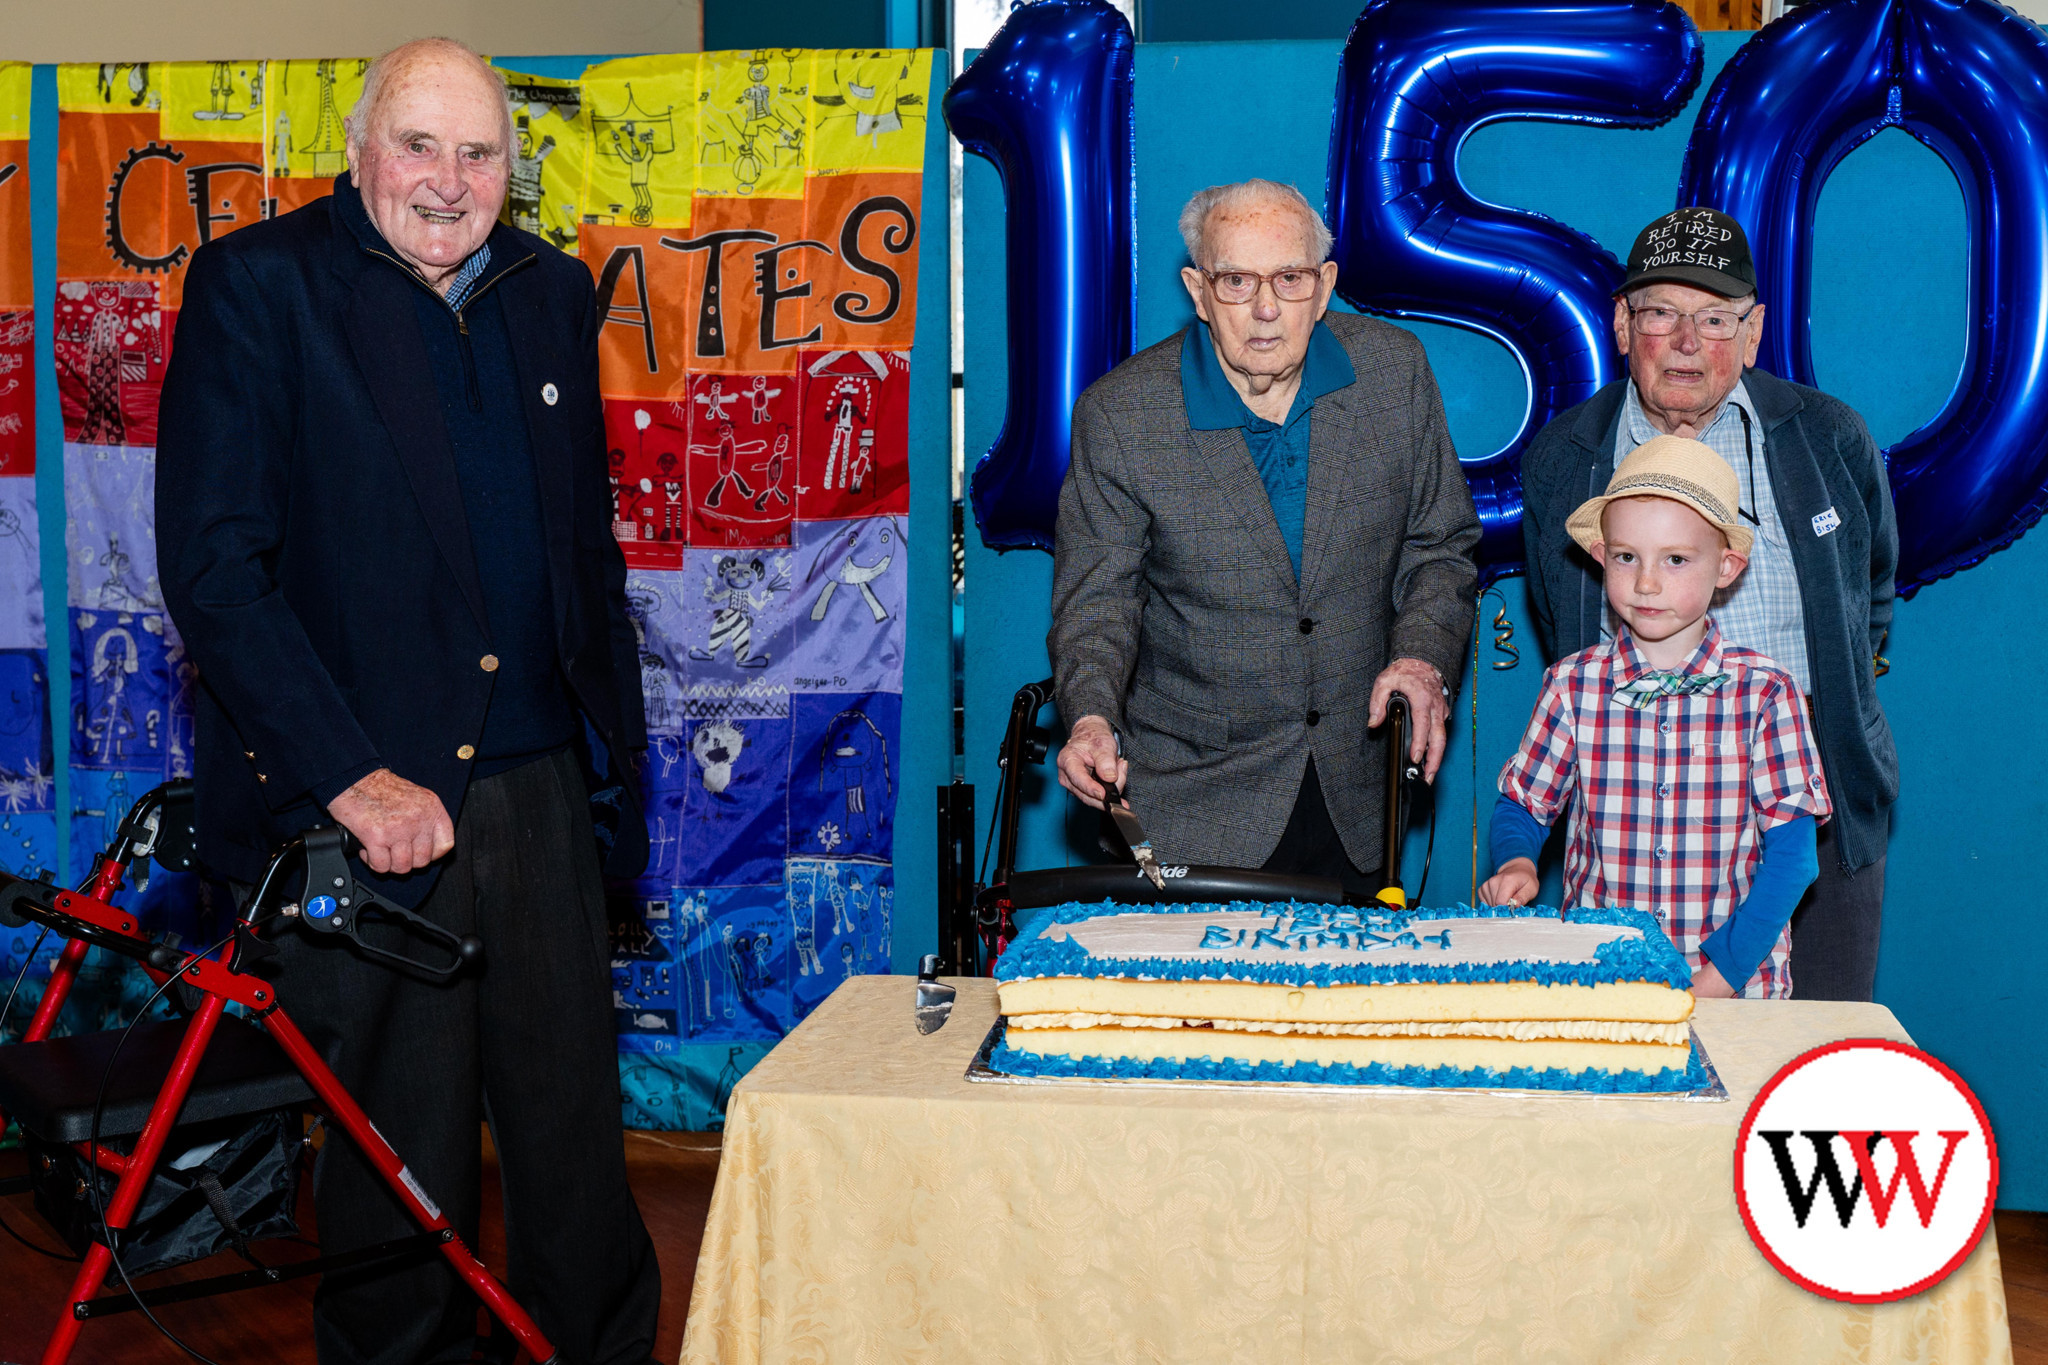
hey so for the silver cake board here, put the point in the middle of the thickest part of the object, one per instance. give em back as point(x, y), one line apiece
point(1713, 1092)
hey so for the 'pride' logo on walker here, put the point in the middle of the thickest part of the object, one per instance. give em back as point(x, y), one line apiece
point(1866, 1171)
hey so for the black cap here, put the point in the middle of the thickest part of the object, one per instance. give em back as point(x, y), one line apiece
point(1704, 248)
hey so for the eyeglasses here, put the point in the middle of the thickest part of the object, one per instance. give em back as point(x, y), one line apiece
point(1242, 286)
point(1712, 324)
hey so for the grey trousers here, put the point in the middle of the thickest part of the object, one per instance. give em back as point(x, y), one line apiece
point(527, 1044)
point(1835, 929)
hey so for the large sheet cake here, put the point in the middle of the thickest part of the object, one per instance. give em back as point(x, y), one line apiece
point(1521, 998)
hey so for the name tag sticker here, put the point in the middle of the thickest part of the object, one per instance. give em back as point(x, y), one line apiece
point(1826, 522)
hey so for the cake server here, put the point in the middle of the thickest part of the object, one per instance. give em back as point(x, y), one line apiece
point(934, 998)
point(1128, 825)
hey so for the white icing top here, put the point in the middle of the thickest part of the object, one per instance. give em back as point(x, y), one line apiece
point(1338, 938)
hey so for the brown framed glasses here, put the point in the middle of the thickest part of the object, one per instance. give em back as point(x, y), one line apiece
point(1291, 285)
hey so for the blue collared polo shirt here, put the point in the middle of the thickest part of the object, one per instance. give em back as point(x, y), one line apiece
point(1279, 449)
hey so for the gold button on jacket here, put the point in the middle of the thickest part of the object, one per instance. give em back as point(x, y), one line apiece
point(489, 663)
point(466, 752)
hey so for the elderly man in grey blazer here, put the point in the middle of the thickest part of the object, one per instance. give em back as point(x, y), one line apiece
point(1264, 533)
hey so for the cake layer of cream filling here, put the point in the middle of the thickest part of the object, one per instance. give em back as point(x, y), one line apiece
point(1290, 1049)
point(1446, 1002)
point(1584, 1030)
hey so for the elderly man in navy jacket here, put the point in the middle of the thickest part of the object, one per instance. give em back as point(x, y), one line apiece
point(1817, 596)
point(384, 533)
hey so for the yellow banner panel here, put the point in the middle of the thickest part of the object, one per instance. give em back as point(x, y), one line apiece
point(642, 117)
point(213, 101)
point(870, 109)
point(304, 103)
point(551, 163)
point(110, 87)
point(753, 125)
point(14, 99)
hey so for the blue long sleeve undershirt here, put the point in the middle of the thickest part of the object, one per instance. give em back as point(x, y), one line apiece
point(1788, 865)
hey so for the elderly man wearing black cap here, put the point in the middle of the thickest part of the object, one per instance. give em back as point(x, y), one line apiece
point(1817, 596)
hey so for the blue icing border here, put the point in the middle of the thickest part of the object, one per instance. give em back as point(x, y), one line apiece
point(1011, 1062)
point(1649, 957)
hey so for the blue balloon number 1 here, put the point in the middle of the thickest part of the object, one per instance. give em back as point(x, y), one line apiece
point(1049, 102)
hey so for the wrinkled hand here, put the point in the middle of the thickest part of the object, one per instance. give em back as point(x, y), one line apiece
point(1709, 984)
point(1089, 756)
point(400, 824)
point(1427, 708)
point(1513, 883)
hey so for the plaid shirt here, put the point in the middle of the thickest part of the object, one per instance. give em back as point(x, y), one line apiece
point(1671, 800)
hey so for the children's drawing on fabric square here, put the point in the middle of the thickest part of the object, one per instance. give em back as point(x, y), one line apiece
point(734, 945)
point(213, 101)
point(869, 109)
point(728, 614)
point(17, 393)
point(21, 567)
point(110, 502)
point(645, 974)
point(28, 848)
point(753, 126)
point(27, 765)
point(855, 441)
point(743, 458)
point(647, 443)
point(849, 590)
point(112, 343)
point(100, 800)
point(545, 183)
point(689, 1091)
point(840, 913)
point(733, 815)
point(642, 116)
point(120, 691)
point(844, 774)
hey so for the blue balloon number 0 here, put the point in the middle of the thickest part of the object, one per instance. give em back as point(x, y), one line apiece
point(1970, 81)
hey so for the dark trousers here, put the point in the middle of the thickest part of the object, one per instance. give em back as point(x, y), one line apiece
point(1835, 928)
point(1309, 846)
point(526, 1044)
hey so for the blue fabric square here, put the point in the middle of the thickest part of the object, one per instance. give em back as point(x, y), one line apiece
point(845, 775)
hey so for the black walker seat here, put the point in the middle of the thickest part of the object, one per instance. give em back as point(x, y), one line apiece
point(50, 1087)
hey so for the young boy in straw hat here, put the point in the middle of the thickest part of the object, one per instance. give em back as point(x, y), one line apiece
point(1693, 781)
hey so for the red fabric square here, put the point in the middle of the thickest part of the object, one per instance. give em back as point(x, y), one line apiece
point(856, 435)
point(743, 458)
point(112, 343)
point(647, 444)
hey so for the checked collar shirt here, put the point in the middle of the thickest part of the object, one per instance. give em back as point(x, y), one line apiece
point(1669, 803)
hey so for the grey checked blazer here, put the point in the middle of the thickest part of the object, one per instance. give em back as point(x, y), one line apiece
point(1177, 617)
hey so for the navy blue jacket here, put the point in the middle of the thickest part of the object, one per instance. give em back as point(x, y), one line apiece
point(1821, 457)
point(313, 546)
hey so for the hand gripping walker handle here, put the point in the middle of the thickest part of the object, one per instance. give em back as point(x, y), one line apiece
point(335, 903)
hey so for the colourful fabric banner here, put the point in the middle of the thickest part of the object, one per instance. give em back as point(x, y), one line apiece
point(752, 224)
point(28, 816)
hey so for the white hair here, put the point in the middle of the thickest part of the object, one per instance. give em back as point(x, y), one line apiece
point(1634, 298)
point(380, 71)
point(1194, 219)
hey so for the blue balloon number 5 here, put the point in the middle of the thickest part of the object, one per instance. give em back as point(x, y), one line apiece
point(1416, 78)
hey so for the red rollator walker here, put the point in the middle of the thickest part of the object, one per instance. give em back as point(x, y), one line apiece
point(111, 1102)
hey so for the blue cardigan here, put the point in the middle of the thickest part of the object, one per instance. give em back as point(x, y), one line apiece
point(1821, 457)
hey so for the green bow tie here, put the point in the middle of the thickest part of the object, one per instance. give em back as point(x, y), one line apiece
point(1650, 687)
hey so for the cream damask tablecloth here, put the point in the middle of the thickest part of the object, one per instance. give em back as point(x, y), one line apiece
point(873, 1206)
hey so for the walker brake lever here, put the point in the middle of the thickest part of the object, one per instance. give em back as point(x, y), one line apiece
point(335, 903)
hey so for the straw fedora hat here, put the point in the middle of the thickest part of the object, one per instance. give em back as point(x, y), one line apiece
point(1675, 468)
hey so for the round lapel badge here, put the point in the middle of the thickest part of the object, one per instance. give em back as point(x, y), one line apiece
point(549, 393)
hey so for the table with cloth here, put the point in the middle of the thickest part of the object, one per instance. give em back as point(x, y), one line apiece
point(873, 1205)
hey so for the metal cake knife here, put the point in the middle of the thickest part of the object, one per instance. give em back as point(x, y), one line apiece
point(1128, 825)
point(934, 998)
